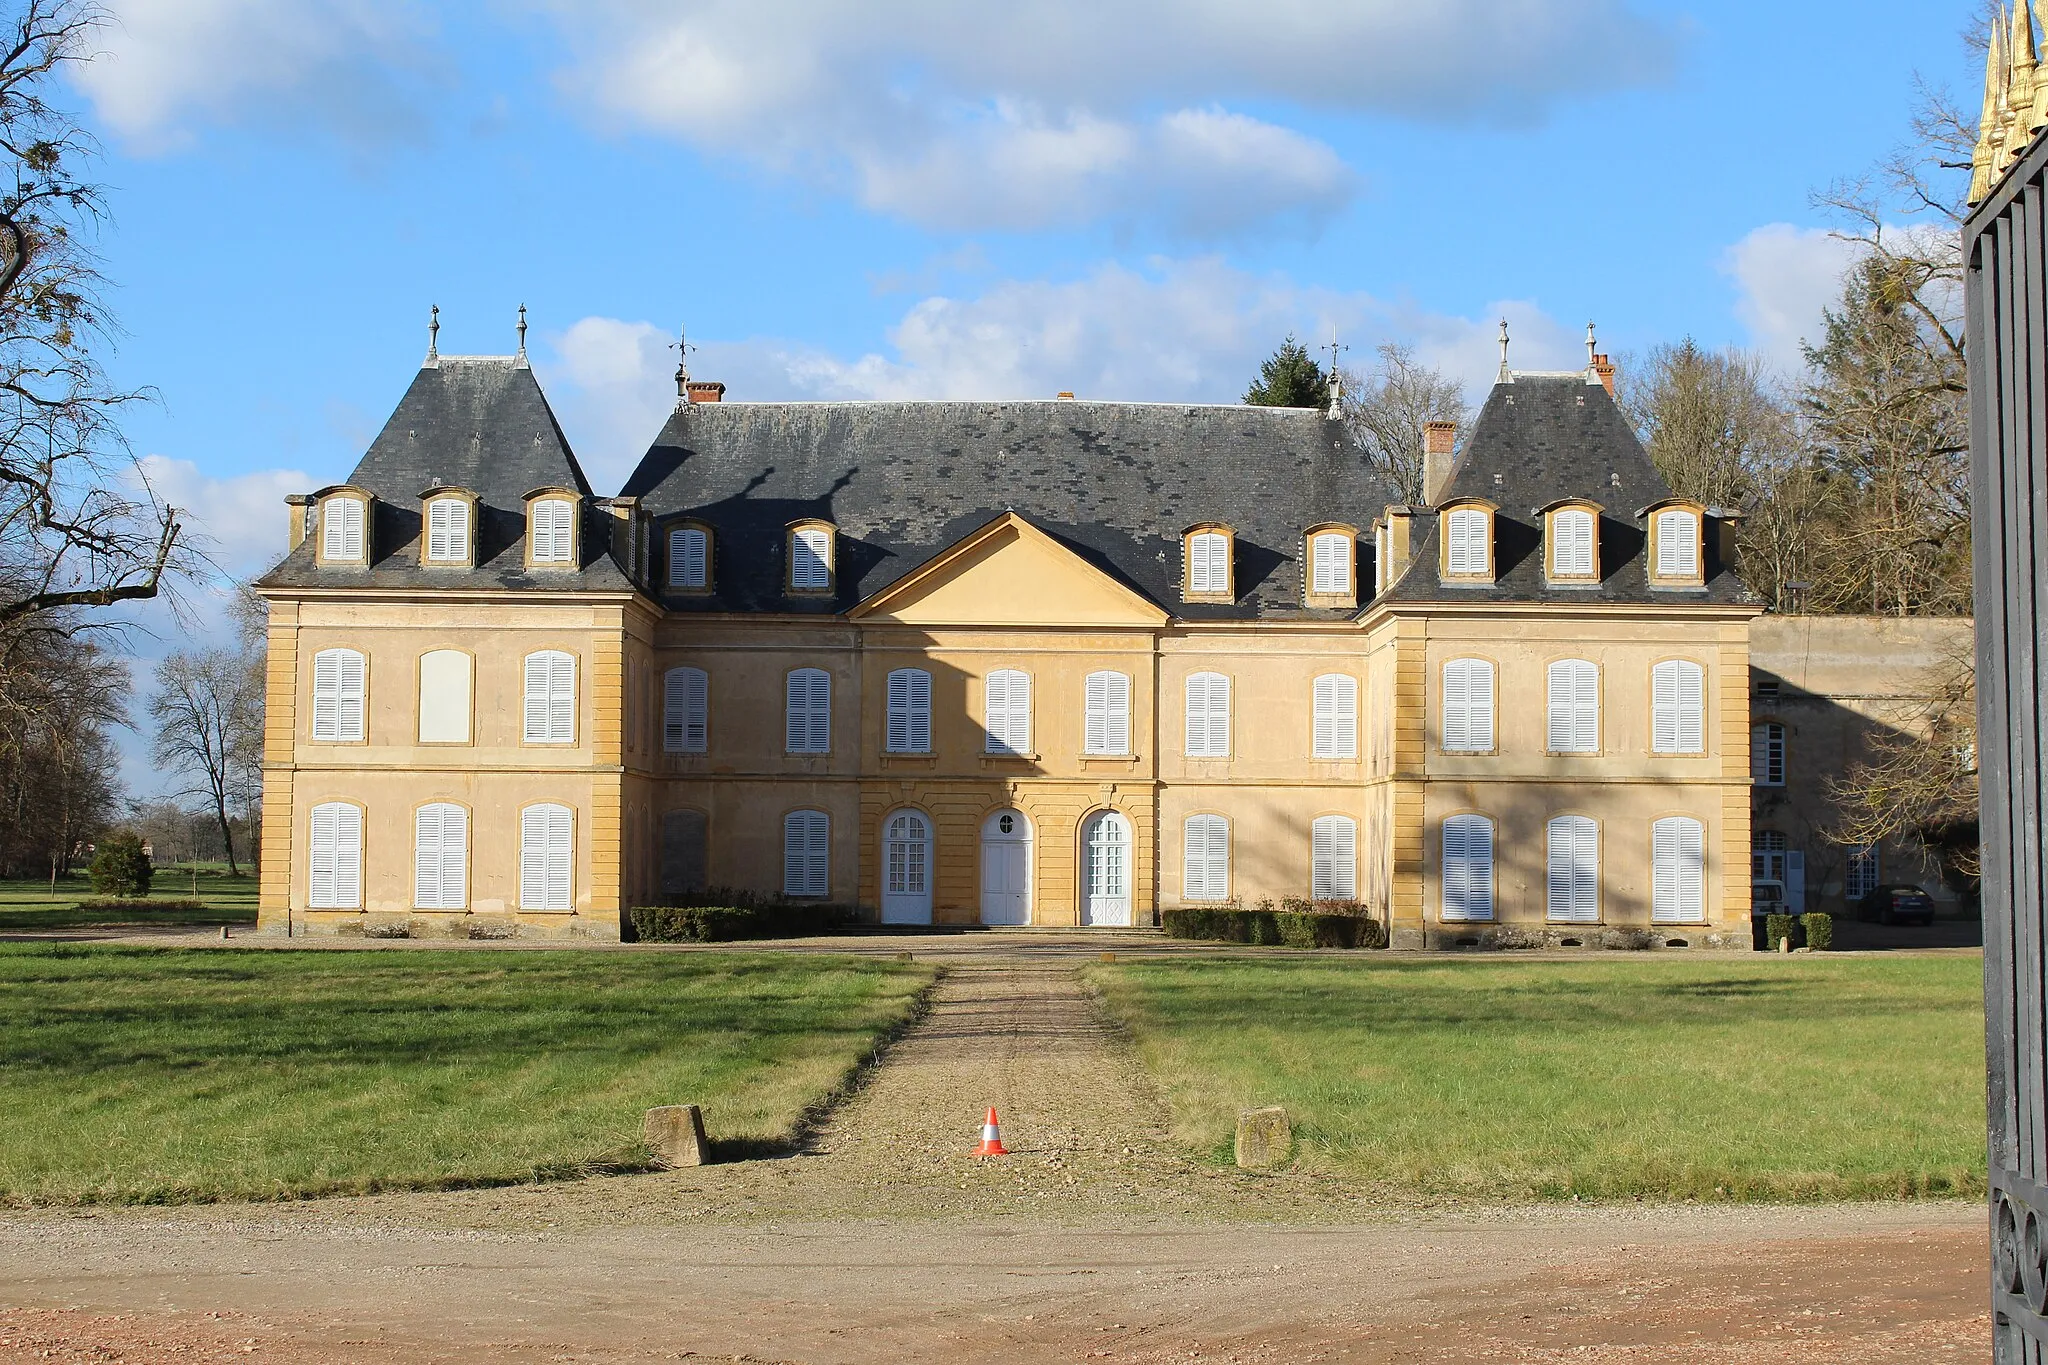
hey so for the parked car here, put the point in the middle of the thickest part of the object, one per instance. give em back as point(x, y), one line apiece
point(1897, 903)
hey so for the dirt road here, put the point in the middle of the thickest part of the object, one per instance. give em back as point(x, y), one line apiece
point(887, 1242)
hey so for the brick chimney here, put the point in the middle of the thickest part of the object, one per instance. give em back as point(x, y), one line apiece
point(1604, 369)
point(703, 390)
point(1439, 445)
point(301, 512)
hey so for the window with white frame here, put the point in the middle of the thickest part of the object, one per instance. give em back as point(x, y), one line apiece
point(550, 697)
point(1767, 754)
point(546, 853)
point(1006, 711)
point(448, 531)
point(1767, 853)
point(1333, 858)
point(1572, 846)
point(1208, 719)
point(335, 858)
point(1467, 531)
point(810, 559)
point(1678, 707)
point(910, 712)
point(1468, 706)
point(554, 526)
point(1106, 714)
point(1863, 872)
point(1571, 547)
point(341, 528)
point(338, 682)
point(806, 854)
point(440, 857)
point(1468, 868)
point(686, 711)
point(807, 711)
point(689, 557)
point(1208, 563)
point(1336, 716)
point(1330, 560)
point(1678, 871)
point(1678, 544)
point(1205, 858)
point(1574, 707)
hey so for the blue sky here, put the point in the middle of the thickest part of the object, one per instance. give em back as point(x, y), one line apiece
point(912, 198)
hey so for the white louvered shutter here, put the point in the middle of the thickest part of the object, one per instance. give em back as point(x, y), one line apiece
point(1678, 871)
point(327, 694)
point(810, 559)
point(1574, 726)
point(1208, 718)
point(1468, 541)
point(688, 558)
point(550, 698)
point(1332, 564)
point(1468, 868)
point(1007, 712)
point(686, 711)
point(1333, 858)
point(552, 523)
point(1678, 544)
point(1107, 714)
point(1573, 848)
point(1678, 705)
point(1336, 716)
point(1209, 562)
point(440, 857)
point(808, 728)
point(1468, 706)
point(910, 712)
point(336, 858)
point(1205, 857)
point(1573, 552)
point(341, 528)
point(545, 856)
point(806, 853)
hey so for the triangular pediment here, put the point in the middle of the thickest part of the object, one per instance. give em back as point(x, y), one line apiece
point(1010, 573)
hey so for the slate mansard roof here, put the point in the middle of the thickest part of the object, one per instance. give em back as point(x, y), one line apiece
point(1538, 440)
point(480, 423)
point(1117, 483)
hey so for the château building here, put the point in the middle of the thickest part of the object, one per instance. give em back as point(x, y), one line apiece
point(1057, 663)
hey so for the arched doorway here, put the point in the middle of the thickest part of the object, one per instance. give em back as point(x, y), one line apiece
point(1006, 868)
point(1106, 870)
point(907, 869)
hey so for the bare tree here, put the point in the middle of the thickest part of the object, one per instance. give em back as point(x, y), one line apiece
point(1920, 783)
point(59, 697)
point(1709, 419)
point(1386, 408)
point(209, 726)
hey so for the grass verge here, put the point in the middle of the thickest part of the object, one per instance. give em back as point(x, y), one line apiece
point(37, 905)
point(140, 1075)
point(1794, 1079)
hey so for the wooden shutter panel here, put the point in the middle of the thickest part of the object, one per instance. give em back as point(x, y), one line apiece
point(688, 557)
point(1336, 716)
point(920, 701)
point(533, 858)
point(810, 565)
point(1457, 705)
point(1573, 869)
point(344, 685)
point(1574, 709)
point(806, 868)
point(1208, 721)
point(1332, 559)
point(327, 695)
point(1468, 868)
point(897, 739)
point(1692, 708)
point(437, 530)
point(1677, 544)
point(1008, 712)
point(1664, 707)
point(1205, 858)
point(454, 857)
point(536, 728)
point(686, 711)
point(562, 698)
point(320, 858)
point(820, 713)
point(1678, 862)
point(796, 702)
point(1095, 714)
point(348, 857)
point(1333, 858)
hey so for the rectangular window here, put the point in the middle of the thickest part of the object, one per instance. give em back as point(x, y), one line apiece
point(1678, 545)
point(1333, 858)
point(1332, 565)
point(1863, 872)
point(686, 711)
point(1205, 850)
point(1571, 551)
point(1008, 712)
point(1209, 563)
point(448, 531)
point(1468, 706)
point(1208, 719)
point(550, 698)
point(806, 854)
point(444, 697)
point(684, 852)
point(910, 712)
point(553, 541)
point(1574, 707)
point(1468, 868)
point(546, 853)
point(1573, 880)
point(1767, 754)
point(341, 529)
point(1107, 714)
point(689, 558)
point(1678, 707)
point(1336, 716)
point(1678, 871)
point(335, 858)
point(1468, 534)
point(808, 711)
point(440, 857)
point(810, 559)
point(338, 676)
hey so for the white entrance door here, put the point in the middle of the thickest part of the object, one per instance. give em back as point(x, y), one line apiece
point(1106, 871)
point(1006, 869)
point(907, 869)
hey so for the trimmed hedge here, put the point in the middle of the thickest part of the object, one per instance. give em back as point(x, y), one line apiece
point(140, 905)
point(1303, 927)
point(1820, 930)
point(1778, 928)
point(728, 923)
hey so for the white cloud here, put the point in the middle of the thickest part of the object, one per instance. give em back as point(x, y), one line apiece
point(161, 64)
point(1050, 112)
point(238, 521)
point(1786, 277)
point(612, 383)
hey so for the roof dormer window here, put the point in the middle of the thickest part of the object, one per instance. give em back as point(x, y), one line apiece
point(1675, 549)
point(813, 557)
point(689, 559)
point(1207, 550)
point(1571, 539)
point(1468, 542)
point(1332, 566)
point(344, 526)
point(451, 521)
point(551, 526)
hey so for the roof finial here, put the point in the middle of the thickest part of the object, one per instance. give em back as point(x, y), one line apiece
point(1507, 376)
point(1592, 347)
point(682, 350)
point(1336, 376)
point(522, 331)
point(434, 333)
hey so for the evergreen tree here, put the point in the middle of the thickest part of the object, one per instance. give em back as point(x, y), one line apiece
point(1290, 378)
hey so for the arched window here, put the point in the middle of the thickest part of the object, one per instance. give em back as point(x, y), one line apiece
point(1468, 868)
point(1571, 543)
point(550, 697)
point(553, 537)
point(1330, 564)
point(448, 531)
point(1678, 544)
point(1767, 754)
point(445, 704)
point(1336, 716)
point(338, 684)
point(806, 854)
point(335, 858)
point(1209, 564)
point(910, 712)
point(546, 853)
point(1208, 720)
point(1007, 712)
point(689, 558)
point(1333, 858)
point(1106, 720)
point(1574, 707)
point(1678, 871)
point(1468, 540)
point(1205, 861)
point(807, 710)
point(810, 559)
point(685, 711)
point(440, 857)
point(1678, 707)
point(1468, 706)
point(341, 529)
point(1573, 845)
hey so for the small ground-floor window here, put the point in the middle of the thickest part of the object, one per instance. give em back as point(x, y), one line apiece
point(1678, 871)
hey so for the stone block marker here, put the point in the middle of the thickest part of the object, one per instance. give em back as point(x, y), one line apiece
point(1263, 1138)
point(676, 1133)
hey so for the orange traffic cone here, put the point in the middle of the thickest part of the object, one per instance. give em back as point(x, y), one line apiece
point(991, 1137)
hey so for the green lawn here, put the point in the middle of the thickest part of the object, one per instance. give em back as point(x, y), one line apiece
point(34, 904)
point(1799, 1078)
point(155, 1075)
